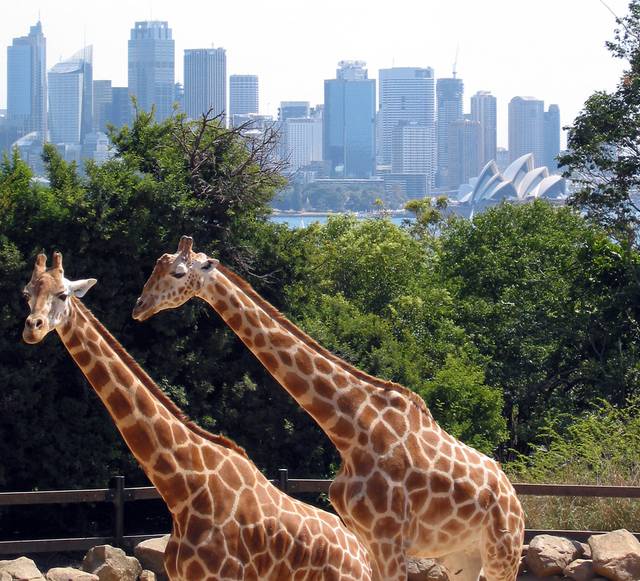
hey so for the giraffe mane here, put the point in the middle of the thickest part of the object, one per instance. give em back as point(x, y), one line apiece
point(151, 385)
point(312, 343)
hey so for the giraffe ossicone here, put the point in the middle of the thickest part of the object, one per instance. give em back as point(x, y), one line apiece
point(229, 521)
point(406, 487)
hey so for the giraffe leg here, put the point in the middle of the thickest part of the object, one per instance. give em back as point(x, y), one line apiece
point(501, 558)
point(389, 562)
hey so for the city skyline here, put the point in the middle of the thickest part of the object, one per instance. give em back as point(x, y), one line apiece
point(566, 72)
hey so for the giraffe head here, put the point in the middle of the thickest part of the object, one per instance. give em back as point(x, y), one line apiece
point(175, 279)
point(48, 294)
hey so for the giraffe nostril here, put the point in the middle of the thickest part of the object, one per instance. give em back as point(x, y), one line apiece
point(139, 302)
point(37, 323)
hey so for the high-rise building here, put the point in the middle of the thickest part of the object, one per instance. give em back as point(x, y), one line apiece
point(552, 137)
point(121, 108)
point(243, 95)
point(27, 83)
point(526, 129)
point(464, 149)
point(152, 67)
point(293, 110)
point(205, 81)
point(412, 150)
point(71, 98)
point(483, 110)
point(349, 122)
point(406, 94)
point(303, 138)
point(449, 93)
point(102, 101)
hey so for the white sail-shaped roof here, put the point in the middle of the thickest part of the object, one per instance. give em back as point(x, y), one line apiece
point(531, 181)
point(518, 169)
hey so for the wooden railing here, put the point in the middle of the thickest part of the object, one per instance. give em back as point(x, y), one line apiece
point(118, 496)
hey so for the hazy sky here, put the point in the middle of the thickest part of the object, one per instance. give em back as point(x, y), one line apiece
point(551, 49)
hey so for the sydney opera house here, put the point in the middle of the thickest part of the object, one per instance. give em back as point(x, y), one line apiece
point(519, 182)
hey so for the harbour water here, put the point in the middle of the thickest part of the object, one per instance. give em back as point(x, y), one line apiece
point(304, 220)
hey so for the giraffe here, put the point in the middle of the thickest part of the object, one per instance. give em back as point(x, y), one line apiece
point(229, 521)
point(406, 487)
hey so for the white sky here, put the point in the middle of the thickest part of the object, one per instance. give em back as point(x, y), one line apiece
point(551, 49)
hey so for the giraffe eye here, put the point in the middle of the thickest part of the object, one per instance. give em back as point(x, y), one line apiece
point(26, 296)
point(178, 274)
point(63, 296)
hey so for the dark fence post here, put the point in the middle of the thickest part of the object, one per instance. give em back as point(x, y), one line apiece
point(283, 477)
point(117, 490)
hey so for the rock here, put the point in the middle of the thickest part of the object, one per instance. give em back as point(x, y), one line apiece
point(147, 575)
point(580, 570)
point(21, 569)
point(150, 553)
point(548, 555)
point(111, 564)
point(426, 570)
point(69, 574)
point(616, 555)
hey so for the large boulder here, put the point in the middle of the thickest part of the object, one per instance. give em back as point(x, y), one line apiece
point(21, 569)
point(150, 553)
point(580, 570)
point(111, 564)
point(616, 555)
point(549, 555)
point(69, 574)
point(426, 570)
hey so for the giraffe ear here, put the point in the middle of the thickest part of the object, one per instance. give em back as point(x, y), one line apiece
point(80, 287)
point(209, 264)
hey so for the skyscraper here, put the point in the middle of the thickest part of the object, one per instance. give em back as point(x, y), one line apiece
point(205, 81)
point(152, 67)
point(71, 98)
point(121, 109)
point(526, 128)
point(406, 94)
point(102, 102)
point(464, 148)
point(27, 83)
point(449, 94)
point(552, 137)
point(293, 110)
point(303, 139)
point(412, 150)
point(243, 95)
point(483, 110)
point(349, 121)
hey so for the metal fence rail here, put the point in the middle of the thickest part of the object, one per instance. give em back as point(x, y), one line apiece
point(118, 496)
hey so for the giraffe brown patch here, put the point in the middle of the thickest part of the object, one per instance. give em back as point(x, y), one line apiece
point(247, 473)
point(363, 439)
point(221, 289)
point(263, 563)
point(195, 570)
point(415, 480)
point(350, 401)
point(229, 475)
point(386, 528)
point(170, 555)
point(466, 510)
point(179, 433)
point(235, 303)
point(121, 374)
point(223, 500)
point(485, 498)
point(454, 527)
point(91, 334)
point(74, 341)
point(431, 438)
point(440, 483)
point(439, 509)
point(259, 340)
point(322, 365)
point(298, 555)
point(340, 380)
point(164, 464)
point(198, 529)
point(246, 333)
point(366, 417)
point(202, 502)
point(94, 348)
point(254, 537)
point(362, 461)
point(212, 553)
point(398, 501)
point(210, 456)
point(195, 481)
point(248, 512)
point(320, 410)
point(377, 491)
point(396, 421)
point(443, 464)
point(459, 470)
point(303, 361)
point(176, 487)
point(281, 340)
point(139, 441)
point(83, 358)
point(265, 320)
point(235, 321)
point(393, 465)
point(381, 438)
point(319, 554)
point(379, 401)
point(163, 431)
point(145, 403)
point(221, 306)
point(119, 404)
point(280, 544)
point(286, 358)
point(323, 388)
point(269, 360)
point(252, 319)
point(344, 429)
point(463, 490)
point(98, 375)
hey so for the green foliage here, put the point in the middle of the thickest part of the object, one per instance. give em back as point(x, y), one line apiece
point(600, 446)
point(603, 158)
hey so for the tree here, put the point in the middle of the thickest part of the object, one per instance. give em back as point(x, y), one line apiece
point(603, 156)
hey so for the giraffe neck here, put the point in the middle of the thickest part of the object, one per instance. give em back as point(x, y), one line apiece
point(332, 394)
point(171, 454)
